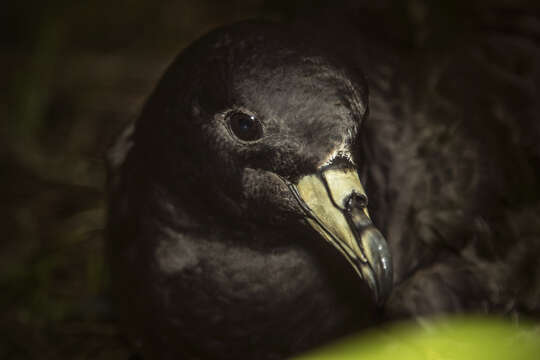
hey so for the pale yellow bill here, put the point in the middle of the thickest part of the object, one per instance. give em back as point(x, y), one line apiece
point(327, 197)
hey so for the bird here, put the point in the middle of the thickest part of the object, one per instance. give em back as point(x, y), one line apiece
point(285, 186)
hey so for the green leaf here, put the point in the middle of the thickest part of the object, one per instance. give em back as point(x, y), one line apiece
point(461, 338)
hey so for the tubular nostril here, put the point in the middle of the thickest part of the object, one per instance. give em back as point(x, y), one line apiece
point(356, 200)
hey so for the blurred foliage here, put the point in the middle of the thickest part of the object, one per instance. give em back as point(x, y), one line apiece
point(445, 339)
point(74, 74)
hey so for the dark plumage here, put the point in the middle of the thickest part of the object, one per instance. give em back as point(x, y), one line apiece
point(211, 253)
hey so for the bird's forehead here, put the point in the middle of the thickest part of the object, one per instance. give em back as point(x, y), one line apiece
point(283, 74)
point(297, 91)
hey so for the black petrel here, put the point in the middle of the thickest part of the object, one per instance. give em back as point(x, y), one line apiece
point(258, 209)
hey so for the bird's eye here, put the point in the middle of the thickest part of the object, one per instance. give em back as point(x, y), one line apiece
point(244, 126)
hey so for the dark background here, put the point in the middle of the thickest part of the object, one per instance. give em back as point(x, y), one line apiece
point(73, 73)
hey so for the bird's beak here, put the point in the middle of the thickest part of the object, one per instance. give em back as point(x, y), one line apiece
point(335, 204)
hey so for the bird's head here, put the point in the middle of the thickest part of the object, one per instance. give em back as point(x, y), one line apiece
point(252, 124)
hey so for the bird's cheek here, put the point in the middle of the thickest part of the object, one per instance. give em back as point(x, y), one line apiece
point(267, 198)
